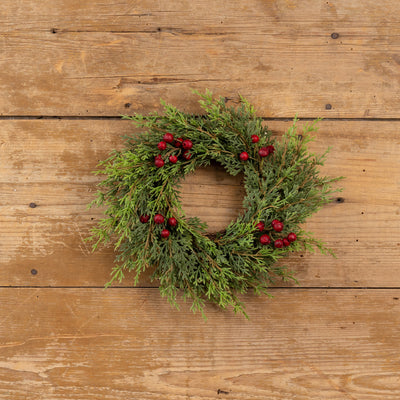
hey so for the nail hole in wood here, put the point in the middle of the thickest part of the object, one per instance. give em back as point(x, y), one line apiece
point(54, 30)
point(328, 106)
point(340, 200)
point(33, 271)
point(334, 35)
point(32, 205)
point(127, 105)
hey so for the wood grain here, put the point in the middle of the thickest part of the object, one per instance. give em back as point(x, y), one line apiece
point(61, 335)
point(100, 58)
point(49, 163)
point(129, 343)
point(194, 16)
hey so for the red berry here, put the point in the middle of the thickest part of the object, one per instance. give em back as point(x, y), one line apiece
point(274, 222)
point(255, 138)
point(244, 156)
point(260, 226)
point(173, 159)
point(158, 219)
point(144, 218)
point(265, 239)
point(164, 233)
point(292, 237)
point(178, 142)
point(285, 242)
point(168, 137)
point(187, 144)
point(172, 221)
point(270, 149)
point(187, 155)
point(158, 156)
point(162, 145)
point(278, 226)
point(159, 162)
point(263, 152)
point(278, 243)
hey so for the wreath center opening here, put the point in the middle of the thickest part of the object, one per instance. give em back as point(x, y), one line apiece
point(213, 195)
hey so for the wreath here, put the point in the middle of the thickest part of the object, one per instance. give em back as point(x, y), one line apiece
point(145, 220)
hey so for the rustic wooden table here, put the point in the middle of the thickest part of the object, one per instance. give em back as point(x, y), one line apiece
point(68, 70)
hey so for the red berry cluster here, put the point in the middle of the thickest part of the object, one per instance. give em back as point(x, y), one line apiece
point(266, 151)
point(168, 138)
point(263, 152)
point(159, 220)
point(277, 226)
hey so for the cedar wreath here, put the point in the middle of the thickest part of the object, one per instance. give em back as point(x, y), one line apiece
point(144, 217)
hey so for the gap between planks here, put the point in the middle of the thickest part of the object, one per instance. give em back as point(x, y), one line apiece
point(272, 288)
point(132, 112)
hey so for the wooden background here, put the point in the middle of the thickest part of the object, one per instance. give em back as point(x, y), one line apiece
point(68, 70)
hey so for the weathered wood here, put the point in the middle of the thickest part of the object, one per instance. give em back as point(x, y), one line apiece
point(106, 58)
point(99, 58)
point(195, 16)
point(129, 343)
point(49, 163)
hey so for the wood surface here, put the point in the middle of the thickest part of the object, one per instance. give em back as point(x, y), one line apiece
point(68, 70)
point(100, 58)
point(128, 344)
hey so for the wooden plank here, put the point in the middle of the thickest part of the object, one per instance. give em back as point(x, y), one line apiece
point(194, 16)
point(49, 163)
point(129, 343)
point(105, 57)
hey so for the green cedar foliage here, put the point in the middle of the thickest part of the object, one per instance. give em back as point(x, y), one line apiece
point(285, 185)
